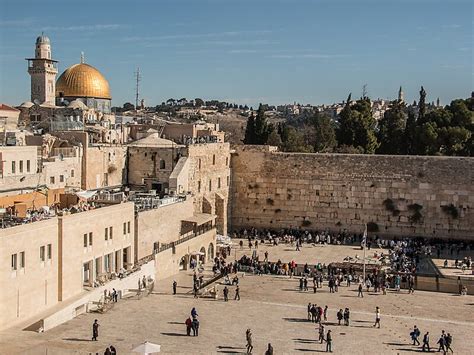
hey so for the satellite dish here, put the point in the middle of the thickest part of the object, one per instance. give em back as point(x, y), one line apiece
point(36, 101)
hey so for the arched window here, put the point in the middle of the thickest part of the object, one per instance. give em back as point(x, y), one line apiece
point(162, 164)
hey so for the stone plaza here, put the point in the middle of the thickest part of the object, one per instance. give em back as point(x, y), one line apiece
point(272, 306)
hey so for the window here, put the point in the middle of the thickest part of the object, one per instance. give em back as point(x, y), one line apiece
point(199, 186)
point(124, 228)
point(106, 233)
point(61, 178)
point(51, 179)
point(50, 251)
point(72, 172)
point(227, 161)
point(214, 159)
point(199, 163)
point(210, 185)
point(14, 260)
point(13, 169)
point(128, 226)
point(111, 232)
point(228, 180)
point(28, 166)
point(42, 253)
point(85, 240)
point(218, 183)
point(22, 260)
point(90, 238)
point(162, 164)
point(21, 166)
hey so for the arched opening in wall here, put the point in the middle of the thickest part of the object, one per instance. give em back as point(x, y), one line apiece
point(210, 252)
point(206, 206)
point(183, 263)
point(162, 164)
point(202, 256)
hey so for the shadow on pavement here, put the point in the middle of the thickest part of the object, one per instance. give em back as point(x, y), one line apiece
point(76, 339)
point(297, 320)
point(175, 334)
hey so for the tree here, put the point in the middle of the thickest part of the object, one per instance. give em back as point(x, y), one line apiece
point(410, 134)
point(198, 102)
point(274, 138)
point(391, 133)
point(324, 133)
point(422, 105)
point(128, 106)
point(262, 129)
point(250, 131)
point(357, 126)
point(295, 141)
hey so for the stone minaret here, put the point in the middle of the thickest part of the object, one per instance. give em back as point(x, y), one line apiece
point(401, 97)
point(43, 70)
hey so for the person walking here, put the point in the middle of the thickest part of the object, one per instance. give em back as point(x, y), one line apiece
point(195, 327)
point(448, 341)
point(226, 294)
point(175, 285)
point(329, 341)
point(339, 316)
point(269, 350)
point(248, 336)
point(113, 351)
point(426, 342)
point(346, 316)
point(360, 294)
point(321, 333)
point(414, 335)
point(325, 313)
point(377, 317)
point(442, 343)
point(194, 313)
point(95, 330)
point(237, 293)
point(189, 326)
point(309, 311)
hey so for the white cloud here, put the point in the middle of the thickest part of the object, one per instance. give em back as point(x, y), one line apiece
point(94, 27)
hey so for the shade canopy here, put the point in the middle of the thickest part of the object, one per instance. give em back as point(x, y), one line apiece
point(147, 348)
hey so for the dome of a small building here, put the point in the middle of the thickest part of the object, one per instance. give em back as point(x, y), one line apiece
point(42, 39)
point(27, 104)
point(77, 104)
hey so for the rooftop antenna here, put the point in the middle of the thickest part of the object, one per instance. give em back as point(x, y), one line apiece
point(138, 78)
point(82, 58)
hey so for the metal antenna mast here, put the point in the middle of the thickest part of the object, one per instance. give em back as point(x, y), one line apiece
point(137, 92)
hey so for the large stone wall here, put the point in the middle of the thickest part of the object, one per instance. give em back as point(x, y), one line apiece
point(343, 192)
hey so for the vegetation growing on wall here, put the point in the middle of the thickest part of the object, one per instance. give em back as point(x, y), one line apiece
point(372, 227)
point(451, 211)
point(415, 210)
point(390, 205)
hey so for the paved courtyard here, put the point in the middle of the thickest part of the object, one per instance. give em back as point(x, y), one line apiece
point(275, 310)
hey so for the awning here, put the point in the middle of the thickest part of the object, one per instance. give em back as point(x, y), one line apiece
point(200, 218)
point(147, 348)
point(87, 194)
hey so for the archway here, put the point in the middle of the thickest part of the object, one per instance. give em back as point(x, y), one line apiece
point(183, 263)
point(210, 252)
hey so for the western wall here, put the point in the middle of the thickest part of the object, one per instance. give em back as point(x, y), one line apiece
point(395, 195)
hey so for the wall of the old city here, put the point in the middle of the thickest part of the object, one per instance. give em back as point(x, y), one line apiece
point(104, 166)
point(343, 192)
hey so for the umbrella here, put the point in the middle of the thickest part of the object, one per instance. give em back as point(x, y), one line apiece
point(147, 348)
point(197, 253)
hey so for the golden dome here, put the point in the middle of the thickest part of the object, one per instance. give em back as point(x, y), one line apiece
point(82, 80)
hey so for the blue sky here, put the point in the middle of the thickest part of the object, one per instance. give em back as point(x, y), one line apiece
point(248, 51)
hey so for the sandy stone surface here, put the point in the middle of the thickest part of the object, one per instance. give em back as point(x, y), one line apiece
point(275, 310)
